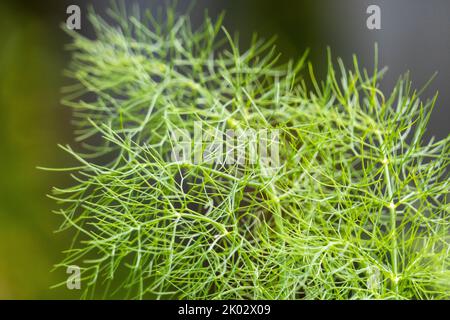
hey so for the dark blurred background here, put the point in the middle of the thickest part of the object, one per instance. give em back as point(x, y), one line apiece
point(415, 37)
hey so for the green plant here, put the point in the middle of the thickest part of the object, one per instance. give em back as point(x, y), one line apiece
point(357, 209)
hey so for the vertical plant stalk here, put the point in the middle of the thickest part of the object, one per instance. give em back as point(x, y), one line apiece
point(393, 216)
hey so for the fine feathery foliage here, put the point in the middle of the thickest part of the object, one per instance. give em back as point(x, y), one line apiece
point(357, 208)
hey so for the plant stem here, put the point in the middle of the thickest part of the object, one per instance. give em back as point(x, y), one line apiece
point(393, 215)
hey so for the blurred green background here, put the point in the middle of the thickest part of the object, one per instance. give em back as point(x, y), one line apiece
point(32, 121)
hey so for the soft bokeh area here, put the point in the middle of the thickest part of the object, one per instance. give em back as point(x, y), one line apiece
point(33, 122)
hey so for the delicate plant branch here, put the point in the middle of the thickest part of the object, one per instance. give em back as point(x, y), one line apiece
point(358, 208)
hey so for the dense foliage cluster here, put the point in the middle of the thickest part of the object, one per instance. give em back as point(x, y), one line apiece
point(357, 208)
